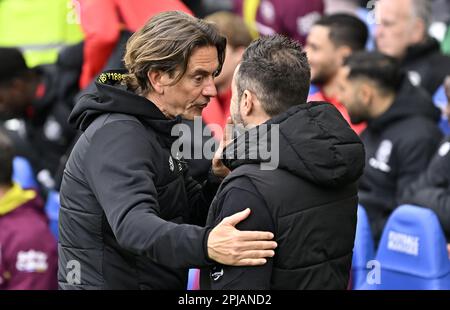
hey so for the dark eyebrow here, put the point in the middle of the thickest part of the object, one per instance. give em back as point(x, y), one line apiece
point(202, 72)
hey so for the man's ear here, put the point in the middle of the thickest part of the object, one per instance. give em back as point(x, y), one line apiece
point(248, 103)
point(159, 80)
point(343, 52)
point(238, 52)
point(366, 94)
point(419, 32)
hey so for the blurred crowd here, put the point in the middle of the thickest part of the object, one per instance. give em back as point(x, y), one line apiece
point(383, 64)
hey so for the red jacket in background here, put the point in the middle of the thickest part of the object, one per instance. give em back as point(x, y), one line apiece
point(319, 96)
point(28, 250)
point(102, 22)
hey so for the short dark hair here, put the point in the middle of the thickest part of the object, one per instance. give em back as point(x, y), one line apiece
point(6, 159)
point(346, 30)
point(166, 42)
point(12, 64)
point(384, 70)
point(276, 69)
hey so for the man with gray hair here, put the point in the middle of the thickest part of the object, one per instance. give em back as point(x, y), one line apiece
point(402, 33)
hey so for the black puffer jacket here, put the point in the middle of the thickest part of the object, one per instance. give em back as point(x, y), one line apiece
point(309, 201)
point(399, 145)
point(124, 198)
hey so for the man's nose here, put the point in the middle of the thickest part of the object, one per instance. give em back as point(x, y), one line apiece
point(210, 89)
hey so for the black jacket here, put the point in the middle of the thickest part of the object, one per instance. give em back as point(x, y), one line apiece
point(426, 65)
point(432, 189)
point(125, 200)
point(399, 145)
point(309, 201)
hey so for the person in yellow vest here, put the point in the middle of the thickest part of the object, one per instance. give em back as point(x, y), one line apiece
point(40, 28)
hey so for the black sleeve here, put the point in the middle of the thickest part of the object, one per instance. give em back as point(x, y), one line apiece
point(120, 172)
point(432, 189)
point(240, 196)
point(413, 160)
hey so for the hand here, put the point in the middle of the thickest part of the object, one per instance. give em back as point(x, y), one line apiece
point(218, 168)
point(229, 246)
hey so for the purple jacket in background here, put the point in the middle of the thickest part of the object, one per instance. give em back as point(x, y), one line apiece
point(28, 250)
point(293, 18)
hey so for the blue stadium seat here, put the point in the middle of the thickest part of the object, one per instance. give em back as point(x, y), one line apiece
point(52, 211)
point(363, 250)
point(412, 252)
point(23, 173)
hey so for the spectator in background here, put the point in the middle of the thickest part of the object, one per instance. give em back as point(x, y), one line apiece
point(402, 33)
point(292, 18)
point(102, 22)
point(401, 135)
point(35, 104)
point(238, 37)
point(28, 254)
point(432, 189)
point(331, 40)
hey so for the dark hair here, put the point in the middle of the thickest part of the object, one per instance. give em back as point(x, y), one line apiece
point(166, 43)
point(6, 159)
point(12, 64)
point(346, 30)
point(276, 69)
point(382, 69)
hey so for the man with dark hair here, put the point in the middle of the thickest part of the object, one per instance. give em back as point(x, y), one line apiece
point(28, 258)
point(402, 132)
point(402, 32)
point(305, 191)
point(129, 210)
point(331, 40)
point(35, 104)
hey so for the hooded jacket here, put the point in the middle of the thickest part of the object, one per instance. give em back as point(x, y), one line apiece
point(28, 258)
point(426, 65)
point(306, 195)
point(432, 189)
point(399, 145)
point(125, 200)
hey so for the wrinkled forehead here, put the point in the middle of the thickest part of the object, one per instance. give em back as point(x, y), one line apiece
point(203, 60)
point(395, 9)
